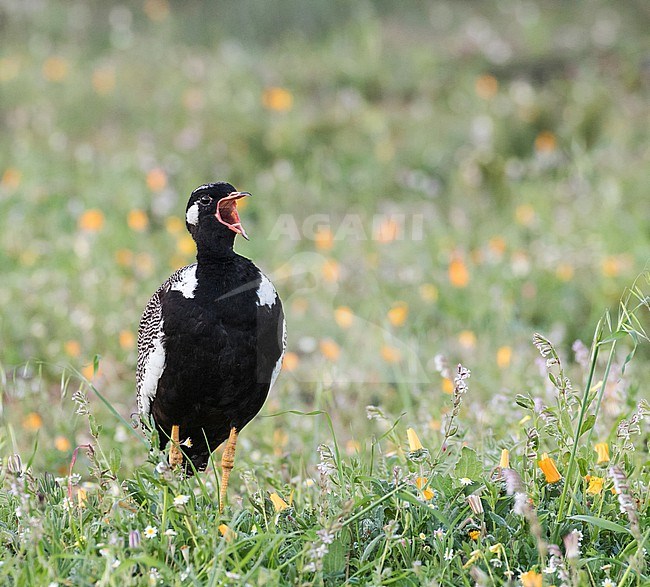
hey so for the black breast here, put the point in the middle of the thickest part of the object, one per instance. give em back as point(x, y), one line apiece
point(221, 348)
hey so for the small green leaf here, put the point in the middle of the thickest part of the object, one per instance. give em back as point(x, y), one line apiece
point(524, 402)
point(588, 424)
point(468, 465)
point(334, 560)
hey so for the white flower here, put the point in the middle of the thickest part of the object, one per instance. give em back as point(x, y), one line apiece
point(115, 563)
point(609, 583)
point(449, 554)
point(187, 442)
point(439, 533)
point(150, 532)
point(181, 499)
point(171, 533)
point(465, 481)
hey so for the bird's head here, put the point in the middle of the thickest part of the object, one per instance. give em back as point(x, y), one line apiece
point(211, 215)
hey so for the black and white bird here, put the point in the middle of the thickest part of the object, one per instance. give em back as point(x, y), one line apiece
point(211, 339)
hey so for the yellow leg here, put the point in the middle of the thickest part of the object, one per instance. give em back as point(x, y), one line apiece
point(175, 454)
point(227, 463)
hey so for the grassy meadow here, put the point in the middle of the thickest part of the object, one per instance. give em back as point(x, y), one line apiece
point(452, 201)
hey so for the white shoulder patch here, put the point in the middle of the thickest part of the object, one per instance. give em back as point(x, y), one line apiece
point(266, 294)
point(153, 369)
point(186, 282)
point(192, 215)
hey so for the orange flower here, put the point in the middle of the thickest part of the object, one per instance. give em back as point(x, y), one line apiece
point(398, 313)
point(595, 484)
point(486, 86)
point(72, 348)
point(331, 270)
point(127, 340)
point(474, 534)
point(62, 444)
point(124, 257)
point(547, 465)
point(504, 355)
point(137, 220)
point(278, 99)
point(564, 272)
point(531, 579)
point(156, 10)
point(91, 220)
point(602, 448)
point(185, 245)
point(390, 354)
point(290, 361)
point(11, 178)
point(156, 180)
point(227, 532)
point(32, 422)
point(545, 142)
point(324, 239)
point(447, 385)
point(344, 316)
point(388, 230)
point(330, 349)
point(458, 273)
point(497, 245)
point(427, 493)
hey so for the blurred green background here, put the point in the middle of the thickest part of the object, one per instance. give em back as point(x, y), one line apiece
point(428, 177)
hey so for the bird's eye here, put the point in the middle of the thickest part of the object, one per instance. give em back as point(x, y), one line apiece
point(205, 200)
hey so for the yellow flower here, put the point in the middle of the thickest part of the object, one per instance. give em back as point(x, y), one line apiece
point(447, 386)
point(330, 271)
point(595, 484)
point(531, 579)
point(278, 503)
point(398, 313)
point(175, 225)
point(278, 99)
point(602, 448)
point(427, 493)
point(414, 441)
point(137, 220)
point(428, 292)
point(344, 316)
point(504, 355)
point(525, 214)
point(82, 497)
point(55, 68)
point(474, 534)
point(72, 348)
point(504, 461)
point(547, 465)
point(467, 339)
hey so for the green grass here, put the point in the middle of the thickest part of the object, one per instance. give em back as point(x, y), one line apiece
point(515, 137)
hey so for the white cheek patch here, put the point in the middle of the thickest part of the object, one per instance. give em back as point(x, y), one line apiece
point(192, 215)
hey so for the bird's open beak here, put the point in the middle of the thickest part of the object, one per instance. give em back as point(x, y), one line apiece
point(227, 212)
